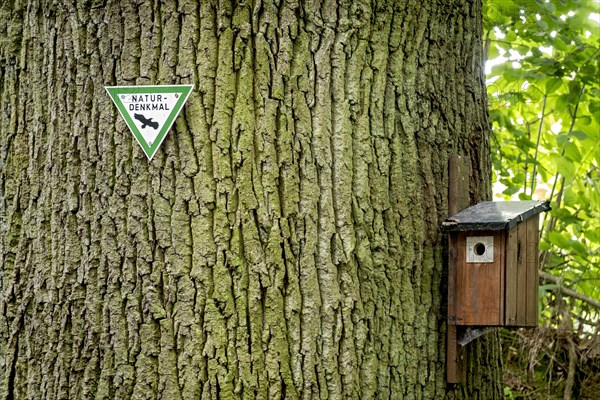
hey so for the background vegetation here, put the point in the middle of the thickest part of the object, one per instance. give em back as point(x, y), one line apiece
point(544, 95)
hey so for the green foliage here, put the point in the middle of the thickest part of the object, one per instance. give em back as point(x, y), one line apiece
point(544, 95)
point(508, 394)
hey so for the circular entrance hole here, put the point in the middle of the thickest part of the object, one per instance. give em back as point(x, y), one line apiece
point(479, 249)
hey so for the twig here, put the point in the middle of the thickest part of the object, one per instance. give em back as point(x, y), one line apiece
point(572, 357)
point(537, 146)
point(569, 292)
point(562, 153)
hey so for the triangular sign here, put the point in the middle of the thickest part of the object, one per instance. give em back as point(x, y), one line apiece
point(149, 111)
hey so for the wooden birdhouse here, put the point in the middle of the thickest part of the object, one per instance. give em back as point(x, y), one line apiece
point(493, 264)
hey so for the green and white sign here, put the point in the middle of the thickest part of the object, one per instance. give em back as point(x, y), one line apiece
point(149, 111)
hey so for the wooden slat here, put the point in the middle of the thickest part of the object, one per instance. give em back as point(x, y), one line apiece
point(521, 274)
point(478, 285)
point(502, 286)
point(532, 271)
point(510, 298)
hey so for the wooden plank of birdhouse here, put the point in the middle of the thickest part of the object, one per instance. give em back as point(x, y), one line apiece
point(478, 285)
point(532, 270)
point(510, 296)
point(501, 251)
point(521, 275)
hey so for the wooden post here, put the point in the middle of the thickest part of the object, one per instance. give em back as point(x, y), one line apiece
point(458, 199)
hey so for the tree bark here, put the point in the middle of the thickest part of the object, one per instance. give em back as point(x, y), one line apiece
point(283, 243)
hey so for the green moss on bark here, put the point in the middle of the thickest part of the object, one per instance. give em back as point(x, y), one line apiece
point(283, 242)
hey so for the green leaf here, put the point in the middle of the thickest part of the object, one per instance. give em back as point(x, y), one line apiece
point(492, 52)
point(543, 25)
point(524, 196)
point(566, 168)
point(578, 248)
point(509, 191)
point(511, 36)
point(592, 236)
point(560, 44)
point(572, 152)
point(574, 91)
point(579, 135)
point(536, 52)
point(558, 240)
point(562, 103)
point(562, 138)
point(548, 287)
point(552, 85)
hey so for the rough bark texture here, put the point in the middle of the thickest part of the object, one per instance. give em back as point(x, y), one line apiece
point(284, 241)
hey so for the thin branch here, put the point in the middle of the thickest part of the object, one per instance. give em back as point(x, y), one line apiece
point(562, 153)
point(572, 360)
point(537, 145)
point(582, 163)
point(486, 46)
point(582, 320)
point(569, 292)
point(551, 221)
point(548, 228)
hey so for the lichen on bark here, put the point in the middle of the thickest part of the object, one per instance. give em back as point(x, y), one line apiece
point(282, 243)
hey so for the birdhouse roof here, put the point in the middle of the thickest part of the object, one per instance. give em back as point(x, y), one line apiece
point(494, 215)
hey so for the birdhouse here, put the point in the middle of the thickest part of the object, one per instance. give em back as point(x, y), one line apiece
point(493, 264)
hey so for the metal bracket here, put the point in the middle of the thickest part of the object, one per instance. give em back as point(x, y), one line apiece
point(468, 335)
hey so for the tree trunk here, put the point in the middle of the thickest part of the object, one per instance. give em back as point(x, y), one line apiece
point(283, 242)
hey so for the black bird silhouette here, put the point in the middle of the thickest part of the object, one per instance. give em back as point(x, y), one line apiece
point(146, 121)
